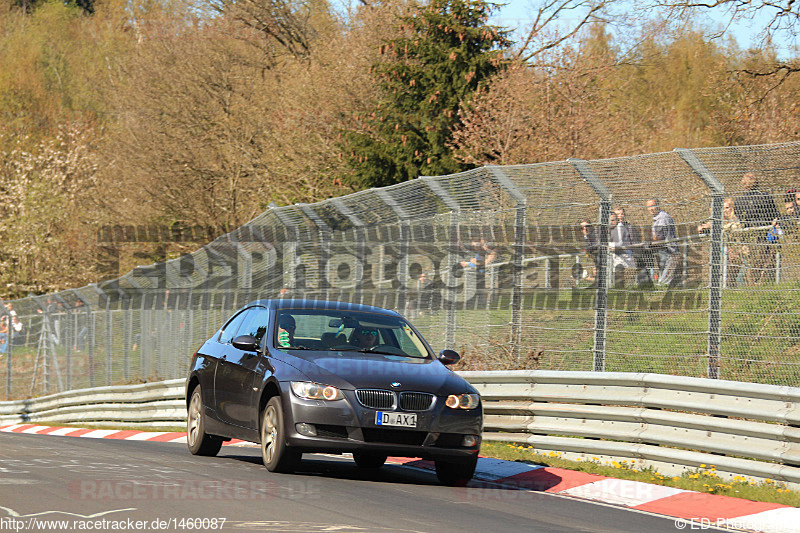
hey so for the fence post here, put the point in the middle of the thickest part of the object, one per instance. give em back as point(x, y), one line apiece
point(9, 345)
point(92, 338)
point(450, 317)
point(405, 238)
point(601, 278)
point(289, 253)
point(136, 293)
point(324, 231)
point(360, 244)
point(715, 260)
point(520, 223)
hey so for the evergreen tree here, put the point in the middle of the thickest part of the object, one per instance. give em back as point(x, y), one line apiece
point(30, 5)
point(445, 53)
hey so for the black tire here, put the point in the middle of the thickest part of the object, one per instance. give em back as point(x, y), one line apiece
point(455, 474)
point(369, 459)
point(199, 442)
point(277, 456)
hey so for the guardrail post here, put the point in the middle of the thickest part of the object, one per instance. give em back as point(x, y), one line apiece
point(520, 224)
point(715, 260)
point(601, 278)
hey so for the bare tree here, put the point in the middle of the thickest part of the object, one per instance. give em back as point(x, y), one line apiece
point(48, 212)
point(284, 26)
point(555, 22)
point(779, 22)
point(779, 16)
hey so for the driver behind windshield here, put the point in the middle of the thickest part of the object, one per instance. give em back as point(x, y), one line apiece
point(365, 338)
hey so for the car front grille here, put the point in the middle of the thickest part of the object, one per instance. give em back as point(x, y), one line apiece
point(416, 401)
point(375, 398)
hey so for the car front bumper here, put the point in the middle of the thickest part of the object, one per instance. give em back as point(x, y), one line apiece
point(347, 426)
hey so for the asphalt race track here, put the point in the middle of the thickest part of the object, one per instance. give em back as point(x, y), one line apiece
point(148, 486)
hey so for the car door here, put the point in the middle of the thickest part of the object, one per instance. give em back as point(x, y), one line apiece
point(222, 350)
point(237, 374)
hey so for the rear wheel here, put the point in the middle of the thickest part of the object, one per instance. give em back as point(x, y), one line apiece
point(200, 442)
point(277, 456)
point(455, 474)
point(369, 459)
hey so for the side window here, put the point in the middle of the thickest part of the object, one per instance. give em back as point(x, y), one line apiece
point(232, 326)
point(256, 323)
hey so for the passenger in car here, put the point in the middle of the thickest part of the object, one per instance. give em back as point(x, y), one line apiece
point(286, 327)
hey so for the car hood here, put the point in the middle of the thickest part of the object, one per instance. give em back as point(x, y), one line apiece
point(355, 370)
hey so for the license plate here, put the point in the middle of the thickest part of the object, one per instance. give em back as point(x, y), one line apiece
point(406, 420)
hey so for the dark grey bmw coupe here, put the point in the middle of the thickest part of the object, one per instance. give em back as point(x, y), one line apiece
point(301, 376)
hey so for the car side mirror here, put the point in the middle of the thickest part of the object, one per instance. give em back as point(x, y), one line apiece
point(248, 343)
point(449, 357)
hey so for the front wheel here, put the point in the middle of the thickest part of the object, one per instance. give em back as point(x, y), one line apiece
point(200, 442)
point(277, 456)
point(455, 474)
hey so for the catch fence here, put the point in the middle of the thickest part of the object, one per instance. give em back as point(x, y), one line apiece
point(509, 265)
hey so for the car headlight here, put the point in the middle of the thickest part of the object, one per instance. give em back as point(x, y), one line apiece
point(463, 401)
point(314, 391)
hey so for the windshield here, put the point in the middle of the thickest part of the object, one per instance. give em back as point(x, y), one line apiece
point(323, 329)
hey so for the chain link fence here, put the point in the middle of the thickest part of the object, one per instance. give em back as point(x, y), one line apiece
point(681, 263)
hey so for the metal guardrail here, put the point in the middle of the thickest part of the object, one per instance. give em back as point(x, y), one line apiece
point(672, 423)
point(158, 404)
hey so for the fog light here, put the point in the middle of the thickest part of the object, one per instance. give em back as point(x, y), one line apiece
point(470, 441)
point(306, 429)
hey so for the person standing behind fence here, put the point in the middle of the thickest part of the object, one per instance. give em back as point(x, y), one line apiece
point(755, 209)
point(3, 335)
point(16, 323)
point(786, 224)
point(738, 252)
point(590, 246)
point(484, 255)
point(663, 229)
point(621, 239)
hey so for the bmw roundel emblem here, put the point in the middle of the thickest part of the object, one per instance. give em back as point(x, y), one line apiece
point(395, 384)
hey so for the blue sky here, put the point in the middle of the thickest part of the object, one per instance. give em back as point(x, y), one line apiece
point(518, 14)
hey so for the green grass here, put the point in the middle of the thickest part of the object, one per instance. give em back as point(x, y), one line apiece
point(657, 331)
point(701, 480)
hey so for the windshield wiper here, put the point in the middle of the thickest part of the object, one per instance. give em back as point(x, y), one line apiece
point(387, 353)
point(379, 352)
